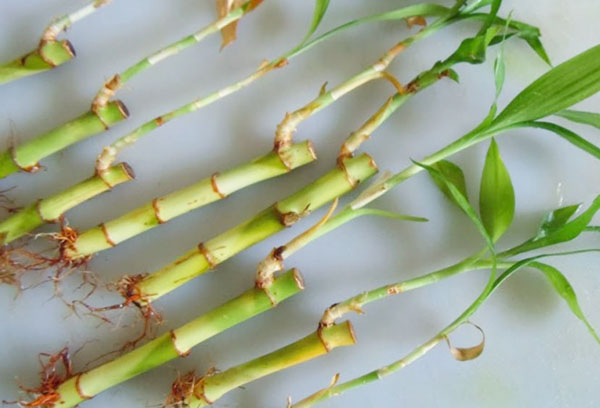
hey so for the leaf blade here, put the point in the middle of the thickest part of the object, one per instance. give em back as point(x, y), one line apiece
point(497, 195)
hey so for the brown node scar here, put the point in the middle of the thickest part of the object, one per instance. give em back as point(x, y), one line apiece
point(28, 169)
point(342, 166)
point(180, 353)
point(215, 186)
point(107, 237)
point(79, 389)
point(101, 174)
point(324, 342)
point(416, 20)
point(107, 91)
point(156, 208)
point(212, 262)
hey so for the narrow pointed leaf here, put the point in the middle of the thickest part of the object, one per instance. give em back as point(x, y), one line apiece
point(318, 13)
point(586, 118)
point(537, 46)
point(424, 9)
point(389, 214)
point(555, 220)
point(558, 89)
point(565, 290)
point(496, 195)
point(560, 233)
point(454, 174)
point(567, 135)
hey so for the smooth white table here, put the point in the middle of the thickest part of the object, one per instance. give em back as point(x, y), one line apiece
point(537, 353)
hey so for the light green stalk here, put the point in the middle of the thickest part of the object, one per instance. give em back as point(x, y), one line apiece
point(273, 219)
point(50, 52)
point(382, 372)
point(164, 209)
point(176, 343)
point(27, 155)
point(212, 387)
point(52, 208)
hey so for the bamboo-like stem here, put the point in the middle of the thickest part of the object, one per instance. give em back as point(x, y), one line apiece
point(101, 116)
point(25, 157)
point(50, 52)
point(51, 209)
point(175, 343)
point(212, 387)
point(271, 220)
point(286, 129)
point(164, 209)
point(337, 389)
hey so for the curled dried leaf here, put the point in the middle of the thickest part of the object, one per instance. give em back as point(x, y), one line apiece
point(467, 353)
point(228, 32)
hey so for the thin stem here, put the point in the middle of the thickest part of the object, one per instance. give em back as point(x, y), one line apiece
point(175, 343)
point(418, 352)
point(103, 114)
point(50, 52)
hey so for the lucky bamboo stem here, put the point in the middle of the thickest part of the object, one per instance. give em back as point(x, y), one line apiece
point(212, 387)
point(51, 209)
point(273, 219)
point(286, 128)
point(176, 343)
point(102, 115)
point(50, 52)
point(382, 372)
point(164, 209)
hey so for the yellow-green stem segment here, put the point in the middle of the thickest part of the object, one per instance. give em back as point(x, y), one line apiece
point(179, 202)
point(178, 342)
point(27, 155)
point(50, 209)
point(48, 55)
point(264, 224)
point(213, 387)
point(102, 115)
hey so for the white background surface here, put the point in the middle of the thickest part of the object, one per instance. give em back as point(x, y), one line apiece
point(537, 354)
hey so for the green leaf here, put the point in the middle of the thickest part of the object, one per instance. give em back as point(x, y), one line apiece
point(557, 279)
point(555, 220)
point(452, 173)
point(318, 13)
point(424, 9)
point(558, 89)
point(559, 232)
point(496, 195)
point(389, 214)
point(537, 46)
point(586, 118)
point(462, 202)
point(565, 290)
point(566, 134)
point(473, 50)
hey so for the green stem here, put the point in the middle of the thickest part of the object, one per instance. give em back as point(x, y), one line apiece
point(418, 352)
point(26, 156)
point(176, 343)
point(52, 208)
point(209, 389)
point(101, 116)
point(164, 209)
point(264, 224)
point(50, 53)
